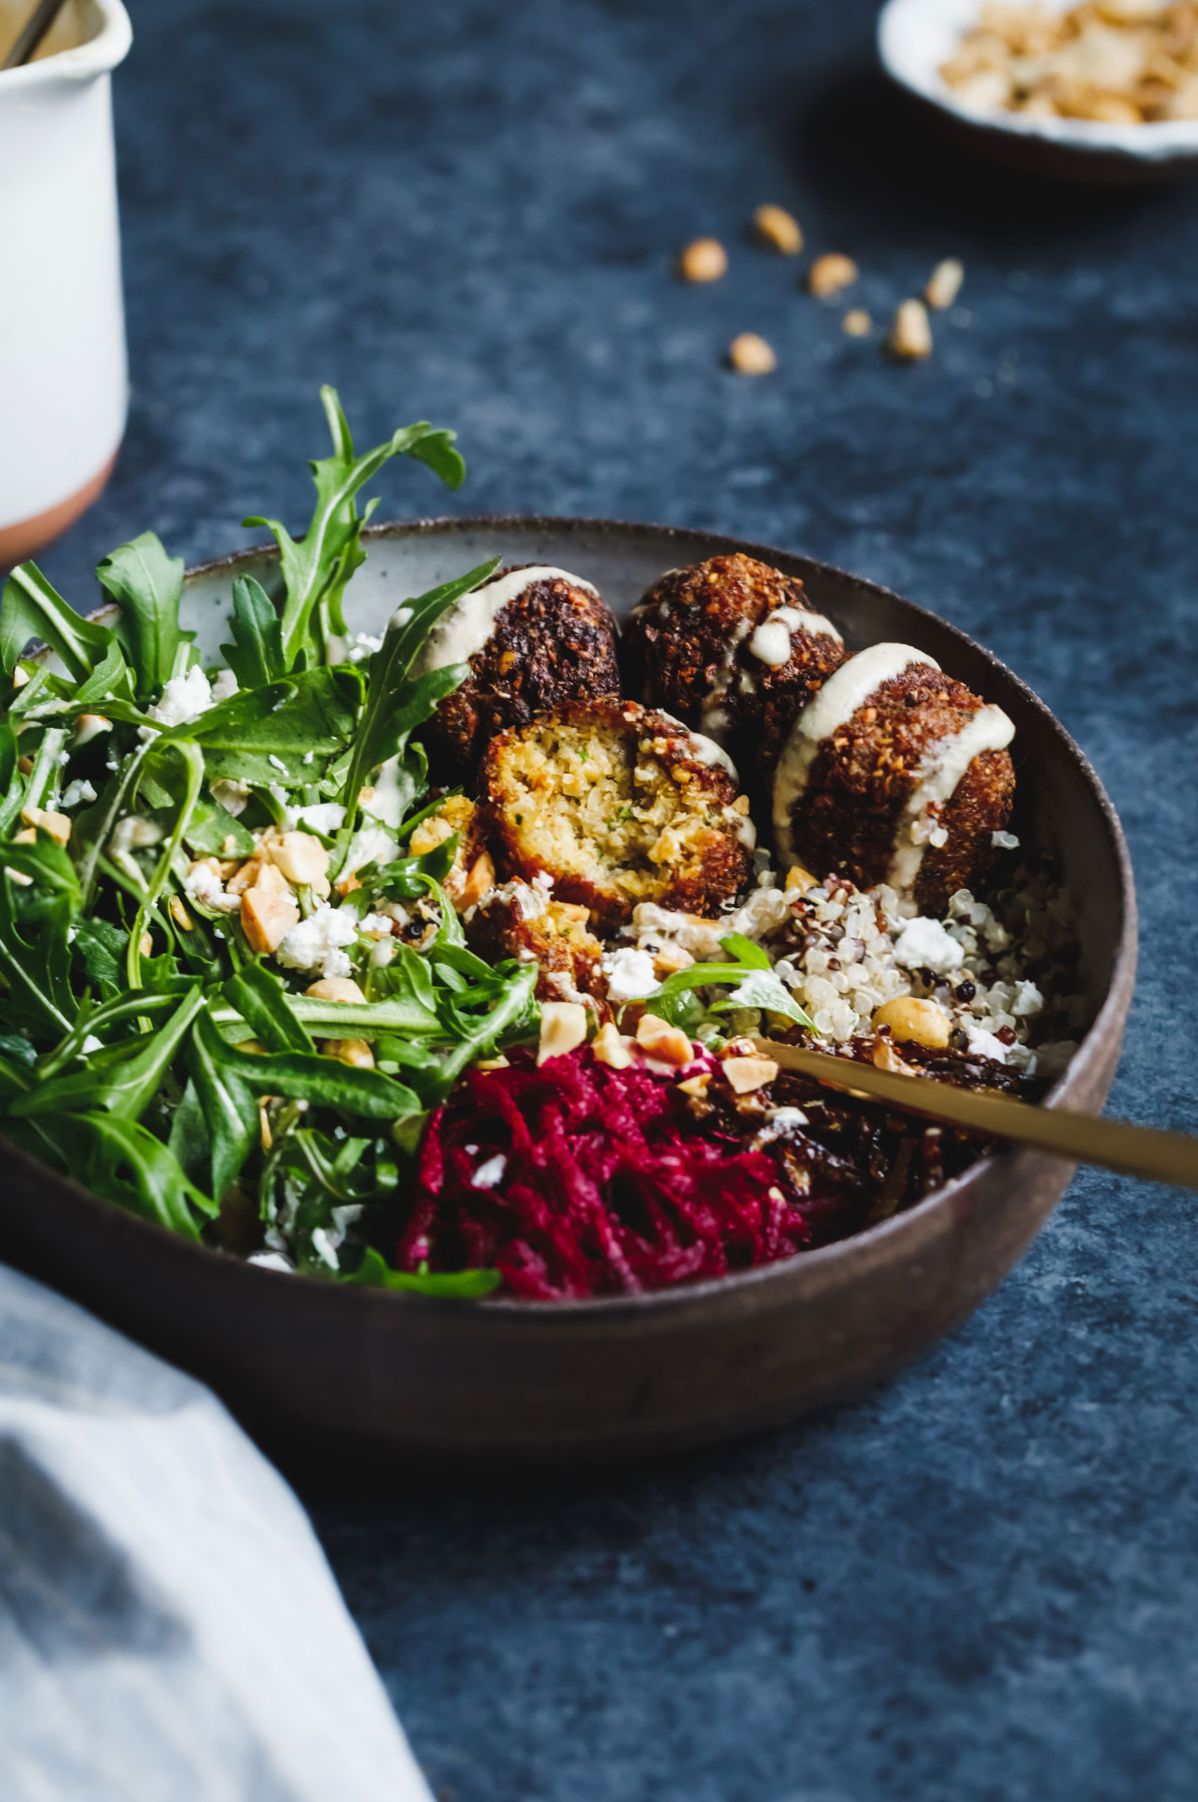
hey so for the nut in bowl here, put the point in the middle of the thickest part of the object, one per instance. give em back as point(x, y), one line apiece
point(420, 1098)
point(1103, 93)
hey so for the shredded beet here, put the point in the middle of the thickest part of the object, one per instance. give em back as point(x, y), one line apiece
point(577, 1179)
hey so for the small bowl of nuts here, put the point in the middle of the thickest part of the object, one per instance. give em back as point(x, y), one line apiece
point(1102, 91)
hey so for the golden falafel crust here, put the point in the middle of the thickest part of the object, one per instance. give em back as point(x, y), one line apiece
point(687, 648)
point(618, 804)
point(519, 921)
point(847, 819)
point(553, 643)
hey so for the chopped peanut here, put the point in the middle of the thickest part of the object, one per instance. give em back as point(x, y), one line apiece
point(244, 877)
point(911, 333)
point(748, 1073)
point(610, 1047)
point(58, 825)
point(944, 284)
point(302, 859)
point(179, 914)
point(750, 354)
point(696, 1085)
point(336, 988)
point(916, 1022)
point(267, 916)
point(831, 273)
point(355, 1052)
point(857, 323)
point(478, 883)
point(779, 229)
point(563, 1029)
point(20, 676)
point(705, 260)
point(90, 725)
point(670, 959)
point(667, 1043)
point(798, 880)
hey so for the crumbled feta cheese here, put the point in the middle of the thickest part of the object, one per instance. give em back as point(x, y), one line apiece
point(276, 762)
point(79, 790)
point(134, 833)
point(327, 817)
point(984, 1044)
point(378, 925)
point(318, 942)
point(490, 1174)
point(232, 796)
point(272, 1260)
point(923, 944)
point(370, 844)
point(91, 1043)
point(324, 1248)
point(183, 699)
point(224, 685)
point(1004, 841)
point(202, 882)
point(364, 644)
point(1027, 1000)
point(630, 975)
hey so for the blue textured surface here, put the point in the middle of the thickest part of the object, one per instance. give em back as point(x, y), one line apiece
point(982, 1582)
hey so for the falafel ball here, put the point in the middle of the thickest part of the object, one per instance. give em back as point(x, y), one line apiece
point(734, 648)
point(522, 920)
point(895, 773)
point(532, 638)
point(619, 805)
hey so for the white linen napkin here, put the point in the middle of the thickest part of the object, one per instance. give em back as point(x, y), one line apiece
point(169, 1626)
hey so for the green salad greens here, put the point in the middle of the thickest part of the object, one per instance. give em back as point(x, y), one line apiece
point(188, 851)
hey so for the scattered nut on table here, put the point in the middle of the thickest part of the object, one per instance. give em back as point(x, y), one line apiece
point(857, 323)
point(944, 284)
point(704, 260)
point(779, 229)
point(911, 333)
point(831, 273)
point(750, 354)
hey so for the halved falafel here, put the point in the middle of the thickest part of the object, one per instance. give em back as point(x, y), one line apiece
point(895, 773)
point(618, 804)
point(734, 648)
point(533, 638)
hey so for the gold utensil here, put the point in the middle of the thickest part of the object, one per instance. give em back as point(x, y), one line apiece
point(32, 33)
point(1161, 1157)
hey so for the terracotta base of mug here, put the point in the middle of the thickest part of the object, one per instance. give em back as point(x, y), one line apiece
point(25, 536)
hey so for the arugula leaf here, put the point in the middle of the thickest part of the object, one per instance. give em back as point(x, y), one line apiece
point(311, 563)
point(462, 1285)
point(32, 608)
point(228, 1104)
point(276, 734)
point(395, 704)
point(756, 986)
point(259, 998)
point(122, 1079)
point(37, 968)
point(147, 585)
point(123, 1161)
point(256, 654)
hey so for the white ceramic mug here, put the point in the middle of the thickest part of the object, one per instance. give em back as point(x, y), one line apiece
point(63, 375)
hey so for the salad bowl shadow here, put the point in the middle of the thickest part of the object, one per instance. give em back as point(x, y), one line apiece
point(311, 1365)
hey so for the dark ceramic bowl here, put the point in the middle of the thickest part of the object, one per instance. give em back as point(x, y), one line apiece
point(305, 1362)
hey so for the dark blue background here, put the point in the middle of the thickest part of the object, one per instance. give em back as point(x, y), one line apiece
point(980, 1583)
